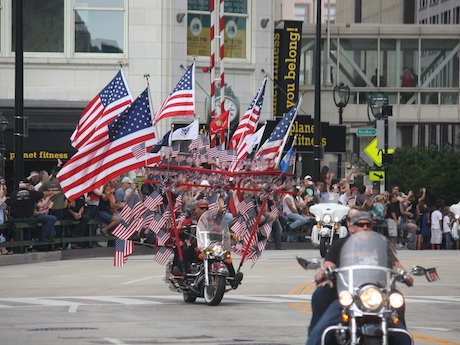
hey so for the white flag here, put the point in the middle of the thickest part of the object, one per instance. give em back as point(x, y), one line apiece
point(254, 140)
point(189, 132)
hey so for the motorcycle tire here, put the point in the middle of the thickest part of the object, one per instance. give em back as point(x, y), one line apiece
point(323, 246)
point(214, 293)
point(189, 298)
point(370, 341)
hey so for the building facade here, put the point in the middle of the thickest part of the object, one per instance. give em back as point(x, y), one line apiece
point(73, 48)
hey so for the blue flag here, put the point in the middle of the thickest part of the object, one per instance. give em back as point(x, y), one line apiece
point(286, 161)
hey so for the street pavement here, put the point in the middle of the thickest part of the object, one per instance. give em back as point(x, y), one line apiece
point(88, 301)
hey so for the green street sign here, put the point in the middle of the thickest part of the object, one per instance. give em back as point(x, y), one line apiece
point(366, 132)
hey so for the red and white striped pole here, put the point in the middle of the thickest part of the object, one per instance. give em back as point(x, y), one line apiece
point(212, 33)
point(222, 69)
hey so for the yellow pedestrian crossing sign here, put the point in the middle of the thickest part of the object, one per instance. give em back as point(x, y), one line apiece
point(375, 153)
point(376, 175)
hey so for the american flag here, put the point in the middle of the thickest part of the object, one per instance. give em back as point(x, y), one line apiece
point(181, 101)
point(157, 223)
point(246, 146)
point(153, 200)
point(111, 101)
point(272, 148)
point(122, 250)
point(139, 150)
point(132, 219)
point(163, 255)
point(248, 123)
point(100, 162)
point(244, 206)
point(163, 238)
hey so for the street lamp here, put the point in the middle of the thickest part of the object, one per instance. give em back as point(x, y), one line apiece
point(376, 104)
point(341, 98)
point(4, 125)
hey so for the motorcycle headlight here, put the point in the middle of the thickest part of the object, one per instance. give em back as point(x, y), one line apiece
point(371, 298)
point(217, 249)
point(327, 218)
point(345, 298)
point(396, 300)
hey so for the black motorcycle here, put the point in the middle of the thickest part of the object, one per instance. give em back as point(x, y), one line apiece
point(208, 276)
point(365, 283)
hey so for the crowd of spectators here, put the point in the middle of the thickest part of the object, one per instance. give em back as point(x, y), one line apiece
point(405, 218)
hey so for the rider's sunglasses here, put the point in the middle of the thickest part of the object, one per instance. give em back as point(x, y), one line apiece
point(203, 208)
point(363, 224)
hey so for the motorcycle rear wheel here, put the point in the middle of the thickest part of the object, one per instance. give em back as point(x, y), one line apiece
point(214, 293)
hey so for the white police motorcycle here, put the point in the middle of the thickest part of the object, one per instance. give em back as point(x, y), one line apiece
point(330, 216)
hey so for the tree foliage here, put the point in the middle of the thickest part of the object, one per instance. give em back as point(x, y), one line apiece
point(414, 168)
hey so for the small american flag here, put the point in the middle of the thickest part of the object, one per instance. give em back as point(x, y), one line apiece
point(153, 200)
point(163, 238)
point(244, 206)
point(181, 101)
point(139, 150)
point(122, 250)
point(163, 255)
point(157, 223)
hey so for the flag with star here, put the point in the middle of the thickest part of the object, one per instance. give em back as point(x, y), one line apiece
point(273, 147)
point(181, 101)
point(100, 162)
point(107, 104)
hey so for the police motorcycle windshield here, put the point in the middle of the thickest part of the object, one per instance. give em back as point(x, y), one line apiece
point(366, 258)
point(329, 198)
point(212, 228)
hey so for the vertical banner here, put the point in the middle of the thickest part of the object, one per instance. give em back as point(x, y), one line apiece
point(287, 47)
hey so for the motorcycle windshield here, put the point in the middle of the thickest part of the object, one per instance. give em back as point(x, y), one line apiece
point(212, 228)
point(366, 257)
point(330, 198)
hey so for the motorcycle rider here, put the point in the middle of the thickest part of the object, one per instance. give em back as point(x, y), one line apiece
point(188, 239)
point(326, 309)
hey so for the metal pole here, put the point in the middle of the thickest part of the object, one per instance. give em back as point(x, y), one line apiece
point(339, 158)
point(317, 120)
point(19, 97)
point(385, 151)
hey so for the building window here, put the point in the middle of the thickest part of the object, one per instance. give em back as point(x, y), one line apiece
point(99, 26)
point(301, 12)
point(236, 28)
point(43, 26)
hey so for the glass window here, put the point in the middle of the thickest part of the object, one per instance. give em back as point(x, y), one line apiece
point(439, 63)
point(358, 62)
point(236, 33)
point(99, 26)
point(43, 28)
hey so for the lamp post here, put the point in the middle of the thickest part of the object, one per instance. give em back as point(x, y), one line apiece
point(341, 98)
point(4, 125)
point(378, 105)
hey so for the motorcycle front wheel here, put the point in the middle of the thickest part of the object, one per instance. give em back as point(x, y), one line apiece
point(371, 341)
point(214, 292)
point(323, 246)
point(189, 298)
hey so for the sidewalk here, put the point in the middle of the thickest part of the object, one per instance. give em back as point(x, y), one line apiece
point(68, 254)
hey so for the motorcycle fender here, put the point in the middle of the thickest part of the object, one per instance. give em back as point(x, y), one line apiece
point(343, 232)
point(372, 330)
point(315, 236)
point(218, 268)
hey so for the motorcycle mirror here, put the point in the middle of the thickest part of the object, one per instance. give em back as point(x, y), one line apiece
point(308, 264)
point(417, 271)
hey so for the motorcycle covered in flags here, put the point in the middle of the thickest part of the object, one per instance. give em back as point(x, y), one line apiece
point(210, 275)
point(365, 283)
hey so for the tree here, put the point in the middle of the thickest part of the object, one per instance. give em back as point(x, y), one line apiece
point(415, 168)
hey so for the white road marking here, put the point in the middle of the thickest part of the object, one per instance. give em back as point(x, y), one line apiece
point(73, 309)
